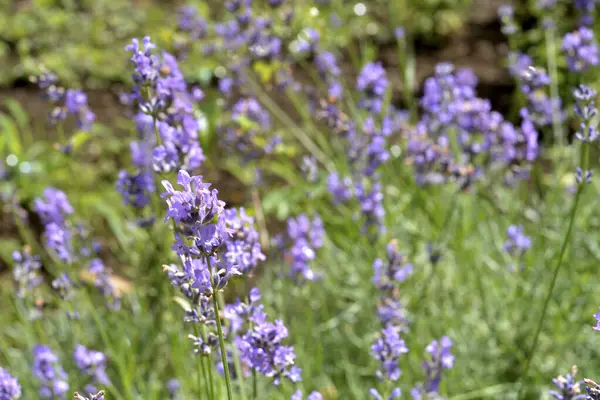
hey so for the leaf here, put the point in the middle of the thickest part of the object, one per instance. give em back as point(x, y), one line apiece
point(79, 139)
point(18, 113)
point(11, 142)
point(114, 221)
point(183, 303)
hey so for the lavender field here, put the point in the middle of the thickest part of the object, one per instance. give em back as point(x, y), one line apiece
point(286, 199)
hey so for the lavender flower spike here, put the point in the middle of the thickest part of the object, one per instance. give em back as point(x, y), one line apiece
point(388, 349)
point(567, 388)
point(9, 386)
point(46, 369)
point(93, 364)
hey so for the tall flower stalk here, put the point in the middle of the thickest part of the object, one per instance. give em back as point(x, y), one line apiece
point(585, 110)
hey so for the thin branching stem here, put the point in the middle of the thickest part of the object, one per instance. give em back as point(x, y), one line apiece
point(559, 263)
point(220, 333)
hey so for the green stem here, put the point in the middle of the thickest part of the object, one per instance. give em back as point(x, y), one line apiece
point(220, 333)
point(254, 384)
point(202, 377)
point(563, 249)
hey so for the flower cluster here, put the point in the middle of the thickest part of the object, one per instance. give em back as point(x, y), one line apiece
point(137, 188)
point(173, 387)
point(340, 189)
point(199, 211)
point(386, 277)
point(372, 82)
point(307, 237)
point(163, 97)
point(52, 377)
point(567, 388)
point(242, 248)
point(242, 315)
point(507, 18)
point(541, 108)
point(65, 101)
point(261, 348)
point(53, 210)
point(517, 242)
point(459, 133)
point(246, 130)
point(593, 390)
point(395, 394)
point(102, 281)
point(9, 386)
point(441, 358)
point(585, 109)
point(388, 349)
point(312, 396)
point(581, 49)
point(26, 271)
point(93, 364)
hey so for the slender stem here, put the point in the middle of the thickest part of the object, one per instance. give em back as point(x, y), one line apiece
point(563, 249)
point(220, 333)
point(254, 385)
point(202, 370)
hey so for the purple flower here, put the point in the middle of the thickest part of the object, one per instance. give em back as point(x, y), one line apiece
point(518, 63)
point(261, 348)
point(58, 238)
point(54, 208)
point(136, 189)
point(371, 205)
point(242, 248)
point(372, 82)
point(189, 21)
point(104, 284)
point(441, 358)
point(308, 41)
point(9, 386)
point(396, 393)
point(581, 49)
point(506, 14)
point(340, 190)
point(395, 270)
point(195, 205)
point(307, 237)
point(145, 63)
point(517, 242)
point(567, 388)
point(52, 377)
point(387, 349)
point(173, 387)
point(93, 364)
point(247, 129)
point(26, 271)
point(597, 316)
point(240, 314)
point(65, 102)
point(312, 396)
point(585, 102)
point(399, 32)
point(76, 104)
point(326, 64)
